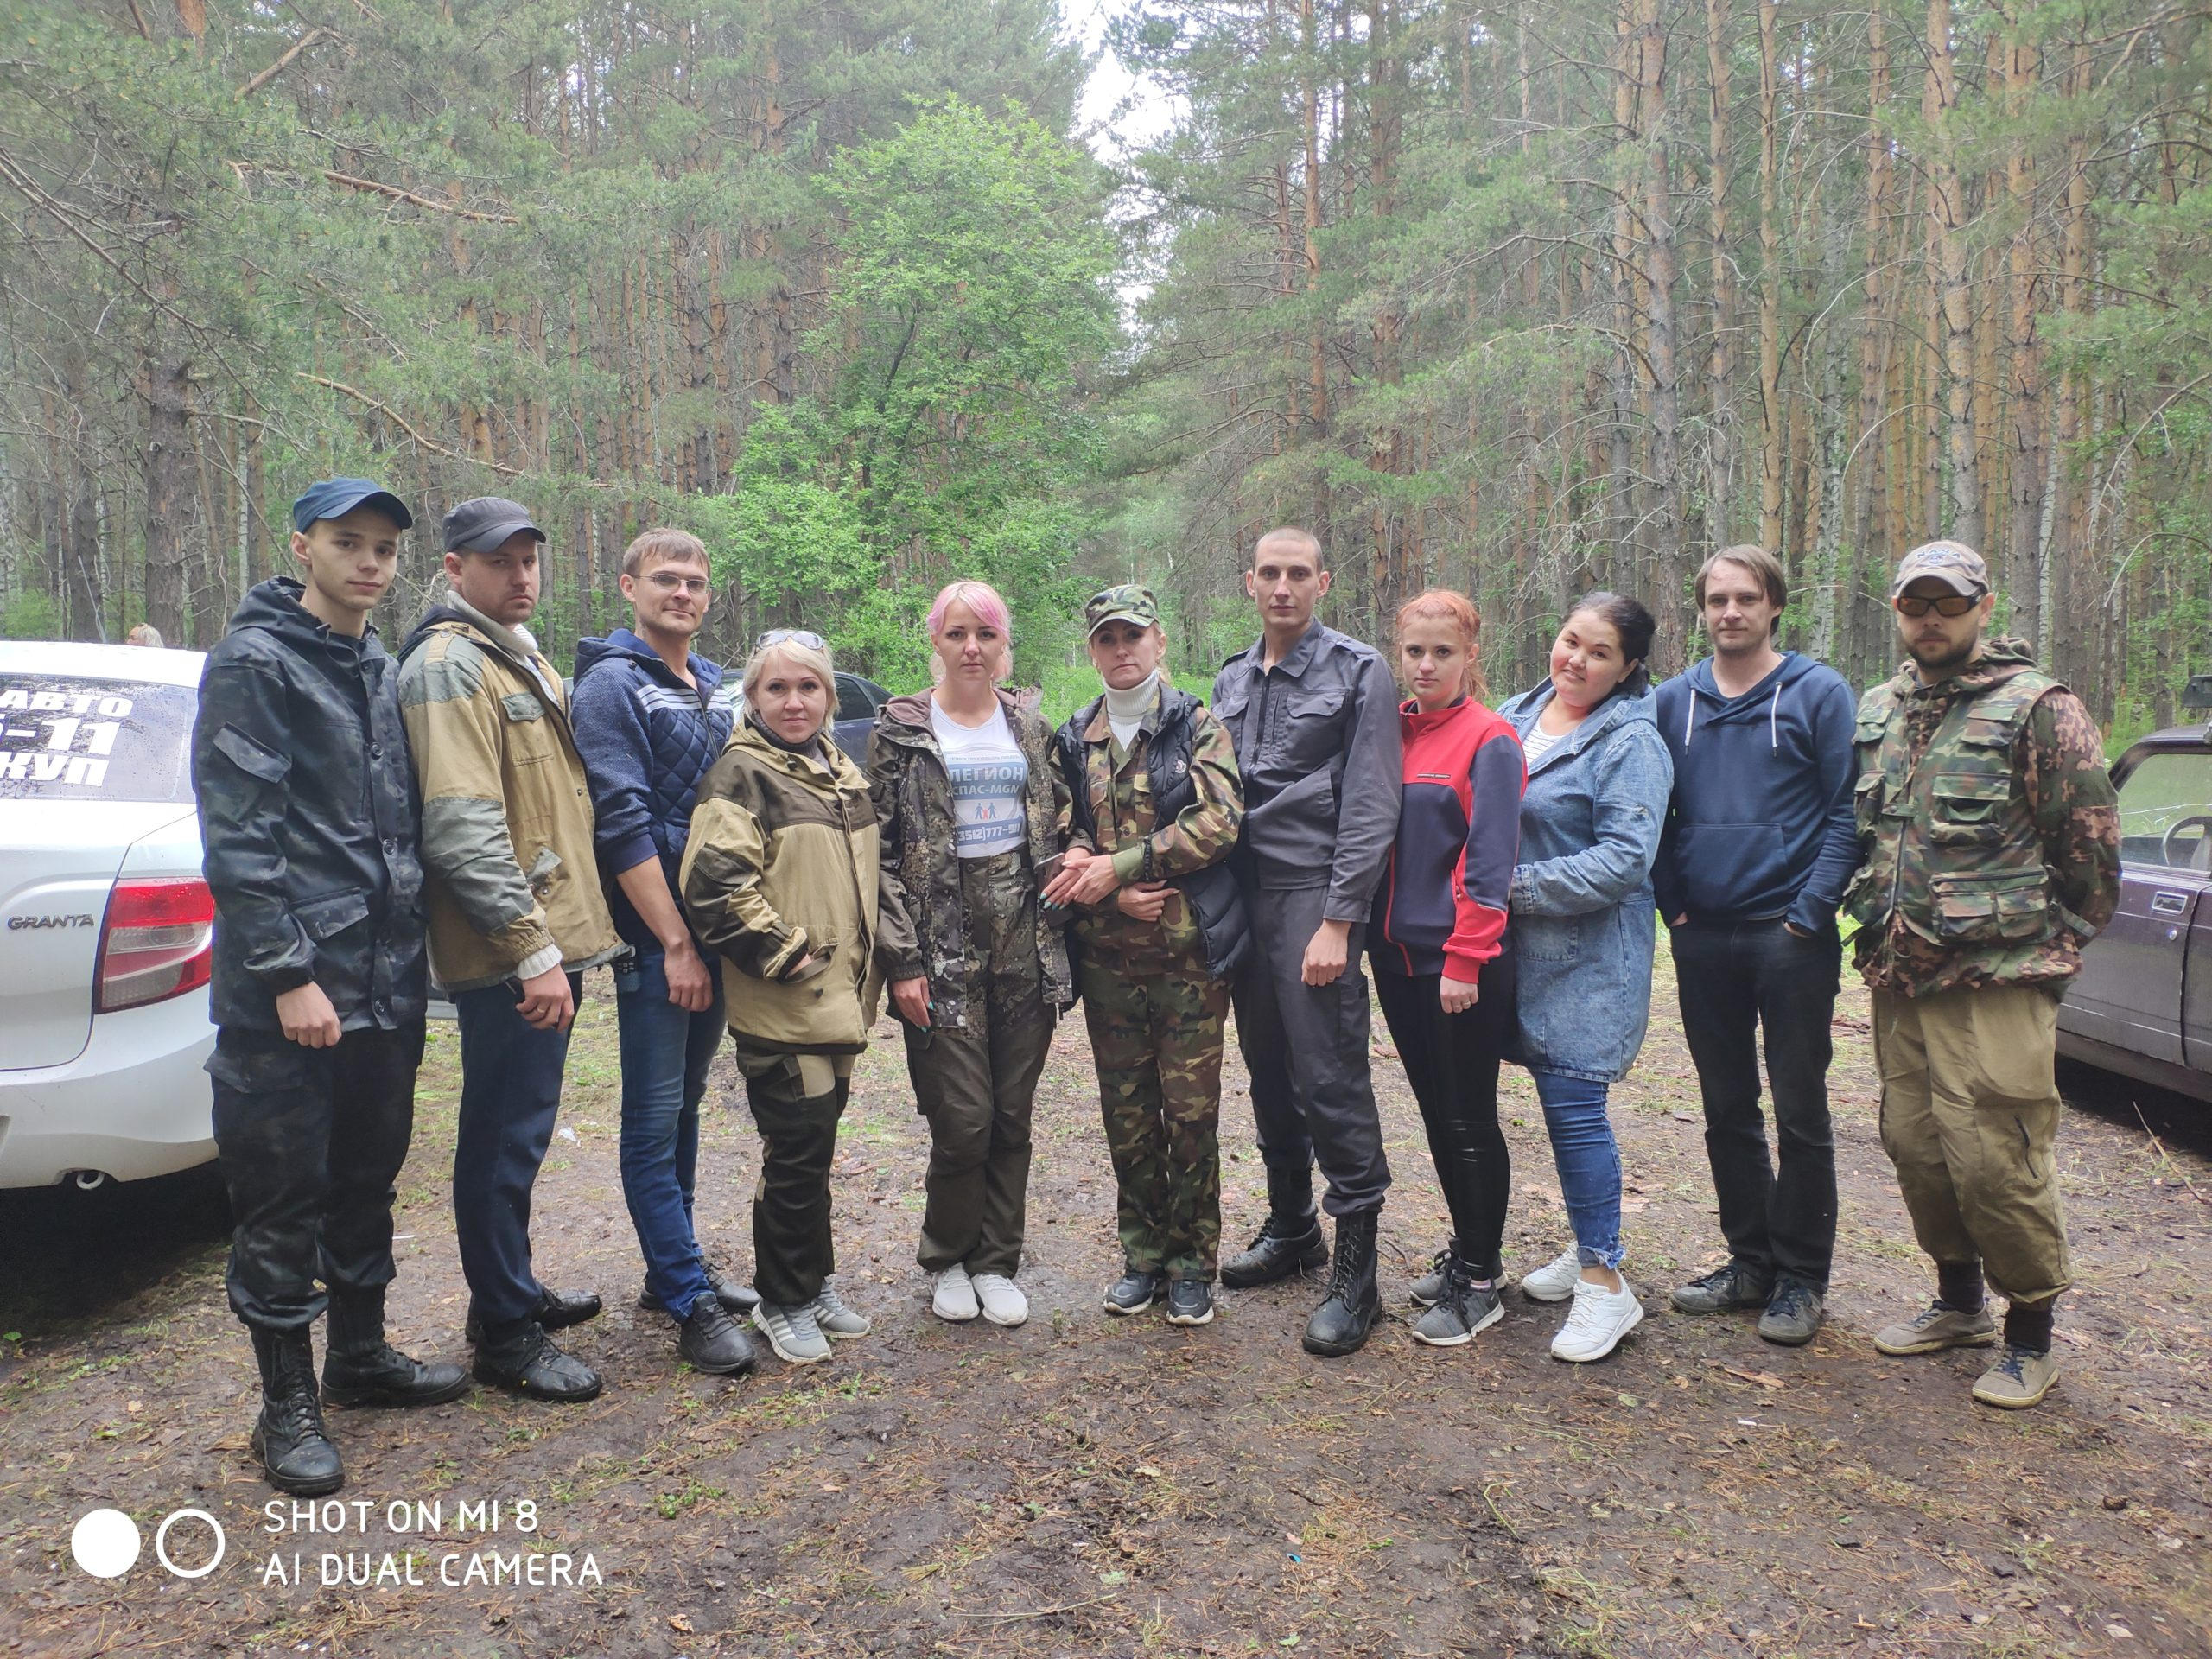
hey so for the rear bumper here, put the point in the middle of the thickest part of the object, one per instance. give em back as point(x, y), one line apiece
point(136, 1104)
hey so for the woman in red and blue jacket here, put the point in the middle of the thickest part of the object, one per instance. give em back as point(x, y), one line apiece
point(1437, 942)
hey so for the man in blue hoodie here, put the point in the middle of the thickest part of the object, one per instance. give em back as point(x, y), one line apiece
point(650, 716)
point(1758, 845)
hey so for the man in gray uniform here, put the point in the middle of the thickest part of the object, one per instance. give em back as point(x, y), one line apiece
point(1314, 716)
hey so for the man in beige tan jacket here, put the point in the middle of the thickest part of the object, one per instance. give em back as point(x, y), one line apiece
point(516, 916)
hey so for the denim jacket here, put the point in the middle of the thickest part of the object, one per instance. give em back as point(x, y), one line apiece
point(1581, 902)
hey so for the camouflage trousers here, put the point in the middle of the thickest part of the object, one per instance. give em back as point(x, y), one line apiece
point(310, 1141)
point(1156, 1039)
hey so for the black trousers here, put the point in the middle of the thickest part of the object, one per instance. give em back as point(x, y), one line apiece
point(310, 1141)
point(796, 1101)
point(1739, 983)
point(1452, 1061)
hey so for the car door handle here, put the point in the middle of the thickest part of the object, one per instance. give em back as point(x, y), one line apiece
point(2169, 904)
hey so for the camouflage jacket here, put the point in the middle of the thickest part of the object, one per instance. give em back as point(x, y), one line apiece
point(929, 935)
point(1988, 837)
point(1116, 809)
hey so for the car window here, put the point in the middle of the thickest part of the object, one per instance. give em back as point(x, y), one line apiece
point(66, 737)
point(2166, 812)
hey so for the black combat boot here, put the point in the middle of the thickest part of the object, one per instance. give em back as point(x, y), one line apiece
point(359, 1368)
point(1340, 1325)
point(295, 1454)
point(1289, 1240)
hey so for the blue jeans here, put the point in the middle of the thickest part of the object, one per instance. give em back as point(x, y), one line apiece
point(1589, 1163)
point(510, 1093)
point(665, 1054)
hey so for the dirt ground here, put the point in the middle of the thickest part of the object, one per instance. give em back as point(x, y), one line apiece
point(1087, 1486)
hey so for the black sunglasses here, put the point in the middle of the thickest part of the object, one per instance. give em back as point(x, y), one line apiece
point(1915, 606)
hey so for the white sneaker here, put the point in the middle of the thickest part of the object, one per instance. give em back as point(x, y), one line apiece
point(1003, 1302)
point(1597, 1322)
point(1556, 1281)
point(955, 1298)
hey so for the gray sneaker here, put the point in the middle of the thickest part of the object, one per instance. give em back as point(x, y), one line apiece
point(792, 1333)
point(2019, 1379)
point(1793, 1314)
point(1936, 1327)
point(1425, 1290)
point(834, 1320)
point(1735, 1285)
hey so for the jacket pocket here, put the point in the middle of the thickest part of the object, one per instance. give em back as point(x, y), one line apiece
point(2007, 907)
point(1967, 809)
point(529, 740)
point(1547, 938)
point(251, 756)
point(332, 913)
point(1722, 865)
point(542, 871)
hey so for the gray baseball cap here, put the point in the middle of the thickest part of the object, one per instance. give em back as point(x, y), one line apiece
point(1954, 564)
point(479, 525)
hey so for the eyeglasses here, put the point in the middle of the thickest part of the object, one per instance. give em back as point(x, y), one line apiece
point(669, 582)
point(1915, 606)
point(805, 638)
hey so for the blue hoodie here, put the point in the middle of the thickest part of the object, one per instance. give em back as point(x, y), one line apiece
point(646, 740)
point(1760, 825)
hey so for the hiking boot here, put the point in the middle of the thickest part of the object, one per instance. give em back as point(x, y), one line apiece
point(1937, 1327)
point(954, 1297)
point(557, 1310)
point(1002, 1299)
point(792, 1333)
point(359, 1368)
point(1428, 1289)
point(1460, 1309)
point(1280, 1250)
point(2019, 1379)
point(835, 1320)
point(1132, 1291)
point(1736, 1284)
point(1597, 1322)
point(1556, 1281)
point(1793, 1314)
point(296, 1455)
point(710, 1340)
point(1341, 1325)
point(525, 1361)
point(738, 1299)
point(1190, 1301)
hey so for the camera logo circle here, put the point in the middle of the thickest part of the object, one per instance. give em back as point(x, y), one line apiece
point(106, 1543)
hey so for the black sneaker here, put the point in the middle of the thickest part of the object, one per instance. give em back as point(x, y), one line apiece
point(1280, 1250)
point(1793, 1314)
point(1190, 1301)
point(710, 1340)
point(737, 1297)
point(1737, 1285)
point(526, 1361)
point(1132, 1291)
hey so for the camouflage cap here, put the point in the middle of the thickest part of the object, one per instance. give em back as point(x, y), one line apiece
point(1127, 601)
point(1954, 564)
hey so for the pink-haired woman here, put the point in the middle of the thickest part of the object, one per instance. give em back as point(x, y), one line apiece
point(975, 823)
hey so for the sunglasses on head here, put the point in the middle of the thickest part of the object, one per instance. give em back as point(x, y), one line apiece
point(1915, 606)
point(805, 638)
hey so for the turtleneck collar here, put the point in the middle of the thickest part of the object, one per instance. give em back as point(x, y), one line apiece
point(1125, 710)
point(811, 749)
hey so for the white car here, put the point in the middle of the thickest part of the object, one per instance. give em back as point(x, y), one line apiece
point(106, 924)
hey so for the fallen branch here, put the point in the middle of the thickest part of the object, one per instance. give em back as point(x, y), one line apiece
point(1041, 1612)
point(2164, 1156)
point(375, 187)
point(282, 63)
point(403, 423)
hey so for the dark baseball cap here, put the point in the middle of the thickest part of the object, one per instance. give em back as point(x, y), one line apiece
point(334, 498)
point(479, 525)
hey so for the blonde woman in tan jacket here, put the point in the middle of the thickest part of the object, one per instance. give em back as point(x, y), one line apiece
point(782, 879)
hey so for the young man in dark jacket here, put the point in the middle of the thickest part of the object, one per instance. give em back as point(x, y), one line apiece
point(307, 813)
point(651, 716)
point(1757, 845)
point(1314, 716)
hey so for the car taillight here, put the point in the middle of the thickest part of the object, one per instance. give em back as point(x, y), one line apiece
point(158, 942)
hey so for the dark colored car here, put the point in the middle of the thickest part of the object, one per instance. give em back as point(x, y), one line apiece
point(857, 702)
point(2142, 1005)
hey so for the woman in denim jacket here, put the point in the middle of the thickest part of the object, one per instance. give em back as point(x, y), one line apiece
point(1582, 928)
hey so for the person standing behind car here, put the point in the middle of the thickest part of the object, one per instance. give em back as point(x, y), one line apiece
point(1582, 907)
point(974, 824)
point(1757, 847)
point(1443, 962)
point(1315, 723)
point(517, 916)
point(650, 716)
point(783, 876)
point(1991, 840)
point(1156, 806)
point(308, 819)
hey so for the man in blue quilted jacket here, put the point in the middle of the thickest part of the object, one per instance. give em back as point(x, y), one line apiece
point(650, 716)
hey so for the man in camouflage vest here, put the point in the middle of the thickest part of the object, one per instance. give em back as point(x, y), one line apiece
point(1155, 808)
point(1991, 850)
